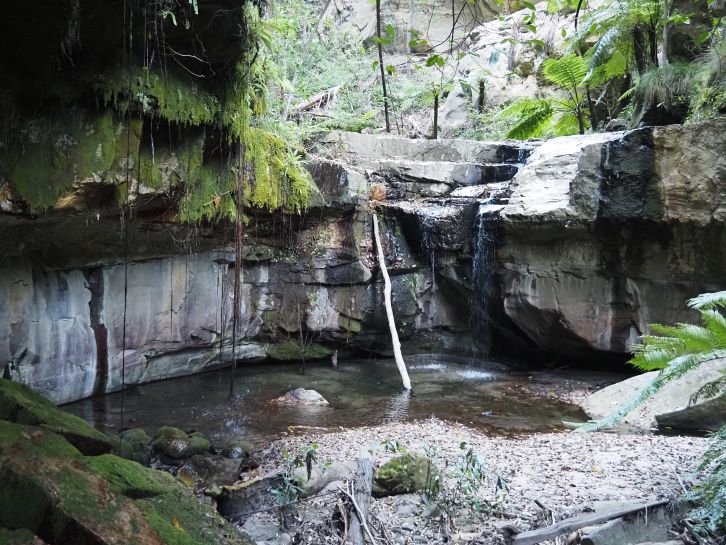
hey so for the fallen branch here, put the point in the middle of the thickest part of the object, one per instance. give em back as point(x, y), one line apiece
point(580, 521)
point(361, 498)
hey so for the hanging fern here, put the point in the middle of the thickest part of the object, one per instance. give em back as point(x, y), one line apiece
point(675, 351)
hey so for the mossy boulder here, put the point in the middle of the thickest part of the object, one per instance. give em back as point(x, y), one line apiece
point(20, 404)
point(134, 444)
point(175, 444)
point(290, 351)
point(53, 491)
point(19, 537)
point(237, 449)
point(406, 474)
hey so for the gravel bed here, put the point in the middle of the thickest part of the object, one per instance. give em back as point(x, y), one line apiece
point(567, 473)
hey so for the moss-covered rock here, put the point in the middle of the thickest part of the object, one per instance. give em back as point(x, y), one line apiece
point(175, 444)
point(20, 404)
point(406, 474)
point(290, 351)
point(52, 490)
point(237, 449)
point(134, 444)
point(19, 537)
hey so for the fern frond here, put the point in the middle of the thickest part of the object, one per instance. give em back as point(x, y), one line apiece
point(603, 48)
point(708, 300)
point(677, 368)
point(568, 71)
point(532, 117)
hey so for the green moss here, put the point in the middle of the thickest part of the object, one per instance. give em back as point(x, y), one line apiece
point(404, 474)
point(46, 156)
point(131, 478)
point(349, 324)
point(168, 96)
point(17, 537)
point(34, 441)
point(290, 351)
point(20, 404)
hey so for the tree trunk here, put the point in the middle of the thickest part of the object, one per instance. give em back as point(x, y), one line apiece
point(380, 64)
point(323, 15)
point(362, 496)
point(389, 307)
point(436, 116)
point(238, 239)
point(666, 32)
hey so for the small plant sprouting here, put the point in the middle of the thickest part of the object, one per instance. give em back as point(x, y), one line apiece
point(290, 487)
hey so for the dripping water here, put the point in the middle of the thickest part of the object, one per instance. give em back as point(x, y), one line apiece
point(428, 240)
point(483, 275)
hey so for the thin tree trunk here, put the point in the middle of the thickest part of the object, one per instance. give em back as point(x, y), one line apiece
point(666, 32)
point(323, 16)
point(436, 116)
point(362, 496)
point(389, 307)
point(238, 239)
point(380, 64)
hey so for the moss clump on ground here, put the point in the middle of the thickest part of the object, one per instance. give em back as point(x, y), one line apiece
point(406, 474)
point(290, 351)
point(20, 404)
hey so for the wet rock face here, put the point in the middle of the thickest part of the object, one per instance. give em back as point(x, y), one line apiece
point(605, 234)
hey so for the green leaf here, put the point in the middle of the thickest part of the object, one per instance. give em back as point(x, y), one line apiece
point(390, 70)
point(435, 60)
point(568, 71)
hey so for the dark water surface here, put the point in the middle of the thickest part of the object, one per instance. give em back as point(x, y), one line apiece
point(361, 392)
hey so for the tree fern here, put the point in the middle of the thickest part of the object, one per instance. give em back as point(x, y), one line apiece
point(568, 72)
point(710, 495)
point(675, 351)
point(532, 118)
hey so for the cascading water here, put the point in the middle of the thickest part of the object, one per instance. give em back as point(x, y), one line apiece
point(484, 270)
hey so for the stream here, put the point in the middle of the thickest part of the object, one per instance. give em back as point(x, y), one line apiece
point(486, 396)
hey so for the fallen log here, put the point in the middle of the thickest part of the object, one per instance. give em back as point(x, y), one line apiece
point(580, 521)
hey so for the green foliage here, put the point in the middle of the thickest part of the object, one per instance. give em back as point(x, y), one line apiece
point(535, 117)
point(675, 351)
point(710, 495)
point(290, 487)
point(532, 117)
point(461, 484)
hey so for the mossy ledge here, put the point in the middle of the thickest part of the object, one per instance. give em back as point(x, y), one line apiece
point(130, 109)
point(53, 493)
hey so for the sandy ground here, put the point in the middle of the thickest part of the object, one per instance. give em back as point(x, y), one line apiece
point(567, 473)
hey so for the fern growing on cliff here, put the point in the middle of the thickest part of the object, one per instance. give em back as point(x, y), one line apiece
point(675, 351)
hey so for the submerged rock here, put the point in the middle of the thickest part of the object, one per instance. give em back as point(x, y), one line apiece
point(406, 474)
point(301, 396)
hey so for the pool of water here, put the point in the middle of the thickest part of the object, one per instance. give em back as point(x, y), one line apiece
point(484, 395)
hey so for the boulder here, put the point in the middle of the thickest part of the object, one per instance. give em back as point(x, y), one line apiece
point(51, 489)
point(20, 404)
point(174, 444)
point(606, 233)
point(670, 406)
point(301, 396)
point(406, 474)
point(237, 448)
point(134, 444)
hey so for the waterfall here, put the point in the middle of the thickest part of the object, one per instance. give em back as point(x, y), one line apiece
point(428, 240)
point(483, 273)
